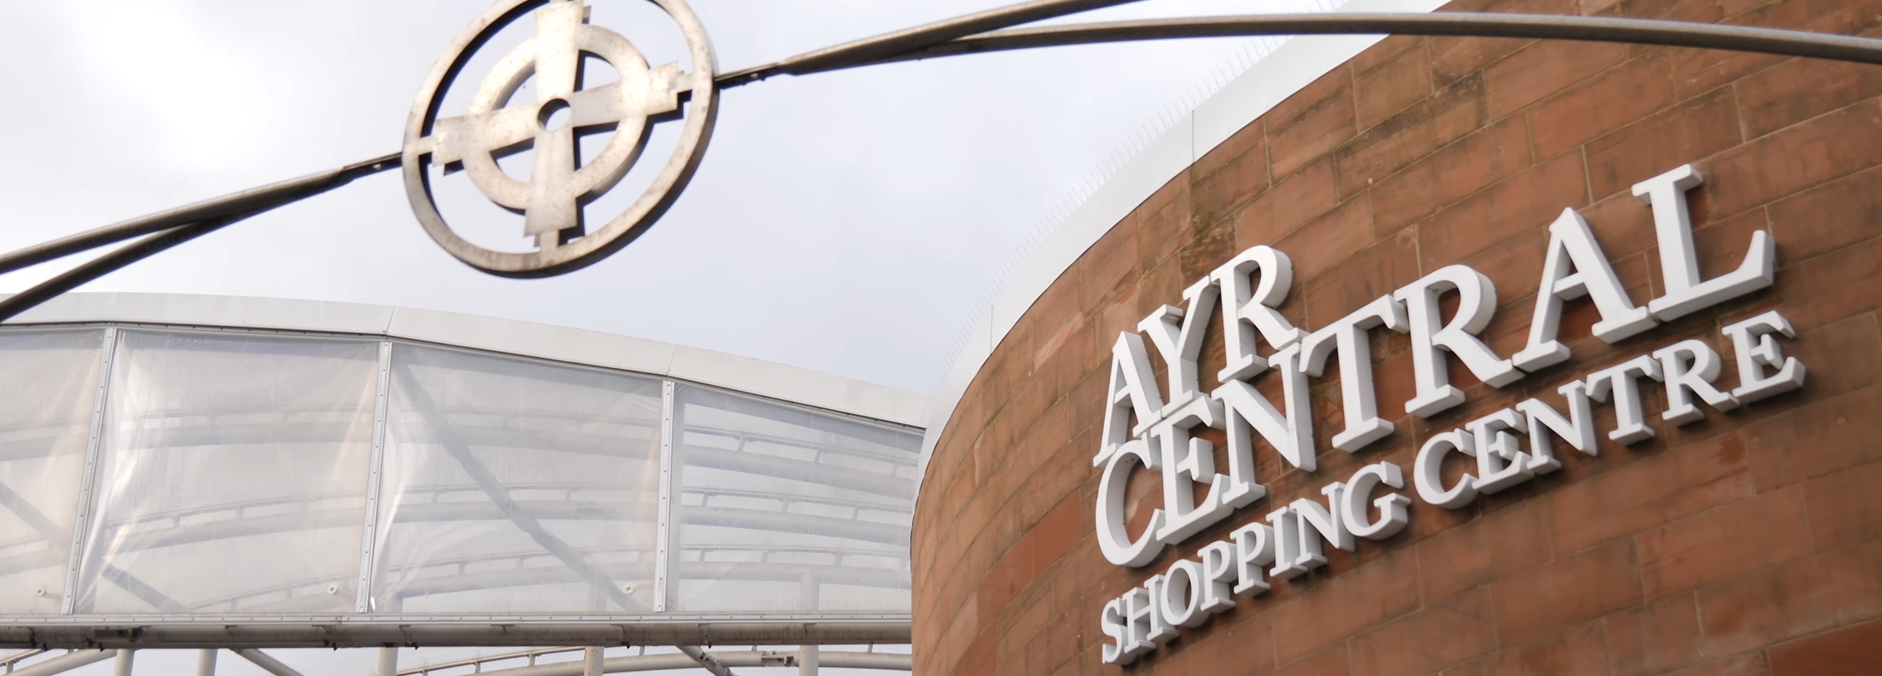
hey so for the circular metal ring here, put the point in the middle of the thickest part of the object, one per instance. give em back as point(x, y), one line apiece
point(552, 200)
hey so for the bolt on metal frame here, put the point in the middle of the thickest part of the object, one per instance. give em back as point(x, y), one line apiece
point(88, 478)
point(663, 559)
point(369, 534)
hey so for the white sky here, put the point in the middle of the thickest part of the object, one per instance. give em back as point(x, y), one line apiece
point(851, 222)
point(846, 222)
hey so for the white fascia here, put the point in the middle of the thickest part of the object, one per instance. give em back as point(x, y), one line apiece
point(1267, 83)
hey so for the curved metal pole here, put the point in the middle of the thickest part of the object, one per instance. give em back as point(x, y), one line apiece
point(1533, 26)
point(251, 201)
point(163, 230)
point(71, 279)
point(966, 35)
point(875, 49)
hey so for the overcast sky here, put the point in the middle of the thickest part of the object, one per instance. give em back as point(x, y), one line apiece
point(851, 222)
point(846, 222)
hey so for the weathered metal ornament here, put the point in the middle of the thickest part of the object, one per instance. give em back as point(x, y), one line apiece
point(494, 126)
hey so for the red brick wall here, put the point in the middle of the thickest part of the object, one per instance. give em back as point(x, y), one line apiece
point(1744, 544)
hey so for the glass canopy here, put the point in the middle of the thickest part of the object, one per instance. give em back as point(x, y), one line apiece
point(197, 474)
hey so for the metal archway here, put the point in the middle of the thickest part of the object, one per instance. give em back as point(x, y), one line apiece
point(990, 31)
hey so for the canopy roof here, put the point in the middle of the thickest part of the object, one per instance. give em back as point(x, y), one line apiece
point(183, 459)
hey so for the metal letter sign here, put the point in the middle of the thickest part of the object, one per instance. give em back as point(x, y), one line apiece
point(560, 185)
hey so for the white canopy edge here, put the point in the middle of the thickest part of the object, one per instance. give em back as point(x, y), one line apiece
point(528, 339)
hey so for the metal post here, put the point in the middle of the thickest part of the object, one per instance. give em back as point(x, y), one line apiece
point(206, 663)
point(123, 665)
point(14, 659)
point(807, 661)
point(369, 534)
point(662, 568)
point(388, 661)
point(591, 662)
point(89, 477)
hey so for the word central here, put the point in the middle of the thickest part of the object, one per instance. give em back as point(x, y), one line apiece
point(1144, 427)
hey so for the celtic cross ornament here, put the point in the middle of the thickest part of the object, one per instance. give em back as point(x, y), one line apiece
point(497, 124)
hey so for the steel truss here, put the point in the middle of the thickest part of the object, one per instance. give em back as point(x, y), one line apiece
point(592, 663)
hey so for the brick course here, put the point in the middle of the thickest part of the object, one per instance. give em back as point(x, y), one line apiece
point(1750, 543)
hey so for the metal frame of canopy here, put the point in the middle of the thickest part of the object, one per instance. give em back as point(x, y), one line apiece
point(249, 631)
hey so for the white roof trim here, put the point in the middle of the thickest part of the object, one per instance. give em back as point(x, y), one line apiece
point(576, 346)
point(1267, 83)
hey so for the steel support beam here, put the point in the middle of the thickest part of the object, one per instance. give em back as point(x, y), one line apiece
point(206, 662)
point(267, 662)
point(65, 663)
point(754, 659)
point(705, 660)
point(14, 659)
point(661, 631)
point(591, 662)
point(388, 661)
point(125, 662)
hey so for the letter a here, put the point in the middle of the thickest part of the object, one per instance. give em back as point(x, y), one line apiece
point(1133, 390)
point(1572, 247)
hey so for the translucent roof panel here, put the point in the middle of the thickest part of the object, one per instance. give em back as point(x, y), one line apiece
point(785, 510)
point(45, 419)
point(241, 476)
point(514, 486)
point(231, 475)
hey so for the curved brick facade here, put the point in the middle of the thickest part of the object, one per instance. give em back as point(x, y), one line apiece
point(1743, 544)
